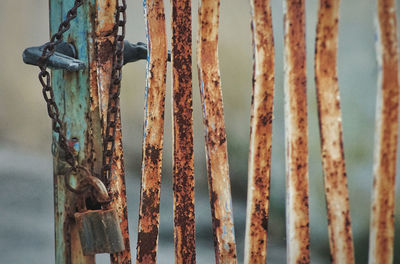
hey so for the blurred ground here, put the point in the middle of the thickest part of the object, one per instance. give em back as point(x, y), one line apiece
point(26, 199)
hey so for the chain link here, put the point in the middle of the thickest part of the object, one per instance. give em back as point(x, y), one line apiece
point(114, 91)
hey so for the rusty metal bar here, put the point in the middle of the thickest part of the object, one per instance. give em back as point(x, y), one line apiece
point(383, 197)
point(330, 122)
point(72, 92)
point(103, 66)
point(259, 171)
point(215, 135)
point(296, 138)
point(183, 161)
point(149, 207)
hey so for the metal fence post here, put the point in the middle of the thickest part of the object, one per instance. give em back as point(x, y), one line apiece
point(386, 136)
point(215, 135)
point(153, 132)
point(72, 93)
point(296, 134)
point(102, 71)
point(183, 160)
point(262, 104)
point(330, 122)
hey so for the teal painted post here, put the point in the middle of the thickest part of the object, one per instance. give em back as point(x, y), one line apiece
point(72, 93)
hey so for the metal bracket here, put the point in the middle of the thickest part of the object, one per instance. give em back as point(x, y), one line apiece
point(64, 57)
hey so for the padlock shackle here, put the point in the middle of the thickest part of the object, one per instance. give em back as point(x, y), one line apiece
point(99, 190)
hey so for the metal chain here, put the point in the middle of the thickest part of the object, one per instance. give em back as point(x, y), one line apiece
point(47, 89)
point(114, 91)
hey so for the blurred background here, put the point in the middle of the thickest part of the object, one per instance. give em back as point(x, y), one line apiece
point(26, 196)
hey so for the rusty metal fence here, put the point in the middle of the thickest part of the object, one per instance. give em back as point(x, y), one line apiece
point(96, 21)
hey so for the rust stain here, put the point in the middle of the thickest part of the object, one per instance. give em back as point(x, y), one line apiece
point(259, 171)
point(183, 160)
point(330, 122)
point(104, 57)
point(216, 145)
point(149, 207)
point(383, 197)
point(296, 138)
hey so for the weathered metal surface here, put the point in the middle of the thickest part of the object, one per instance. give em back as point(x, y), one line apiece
point(99, 231)
point(215, 136)
point(296, 136)
point(72, 95)
point(103, 66)
point(330, 122)
point(259, 171)
point(183, 160)
point(149, 207)
point(383, 198)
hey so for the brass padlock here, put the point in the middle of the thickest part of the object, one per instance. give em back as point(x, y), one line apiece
point(99, 230)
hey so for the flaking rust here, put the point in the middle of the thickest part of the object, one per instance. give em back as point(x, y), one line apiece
point(296, 134)
point(330, 122)
point(149, 207)
point(259, 171)
point(383, 197)
point(183, 160)
point(104, 58)
point(215, 136)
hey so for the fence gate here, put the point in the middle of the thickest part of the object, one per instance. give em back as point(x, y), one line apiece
point(83, 102)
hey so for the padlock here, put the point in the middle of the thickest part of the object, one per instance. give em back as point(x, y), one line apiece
point(99, 230)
